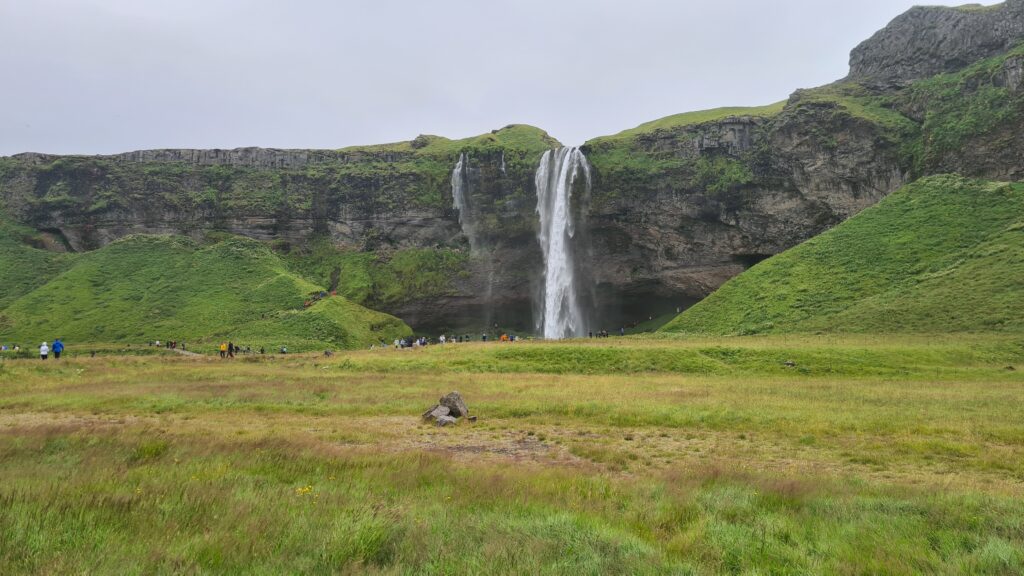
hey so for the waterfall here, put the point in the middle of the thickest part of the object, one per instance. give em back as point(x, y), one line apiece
point(561, 315)
point(460, 200)
point(479, 253)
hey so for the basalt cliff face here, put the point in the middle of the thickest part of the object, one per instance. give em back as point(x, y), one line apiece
point(676, 207)
point(930, 40)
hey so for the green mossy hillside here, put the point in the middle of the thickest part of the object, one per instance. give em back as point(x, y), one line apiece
point(22, 267)
point(381, 279)
point(145, 288)
point(945, 254)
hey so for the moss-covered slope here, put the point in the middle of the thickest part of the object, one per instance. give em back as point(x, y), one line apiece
point(943, 254)
point(146, 288)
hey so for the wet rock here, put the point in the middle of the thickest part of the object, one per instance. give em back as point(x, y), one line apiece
point(455, 404)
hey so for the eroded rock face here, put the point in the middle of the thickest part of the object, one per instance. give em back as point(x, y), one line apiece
point(667, 240)
point(930, 40)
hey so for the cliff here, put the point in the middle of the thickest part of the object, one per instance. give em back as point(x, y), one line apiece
point(930, 40)
point(678, 206)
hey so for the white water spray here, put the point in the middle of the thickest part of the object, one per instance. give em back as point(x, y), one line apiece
point(561, 316)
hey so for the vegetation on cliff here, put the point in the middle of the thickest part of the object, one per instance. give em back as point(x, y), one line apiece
point(944, 254)
point(383, 278)
point(974, 112)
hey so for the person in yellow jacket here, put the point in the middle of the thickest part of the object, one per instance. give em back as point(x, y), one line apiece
point(223, 349)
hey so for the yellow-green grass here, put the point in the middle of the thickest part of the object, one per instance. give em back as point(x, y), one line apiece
point(305, 464)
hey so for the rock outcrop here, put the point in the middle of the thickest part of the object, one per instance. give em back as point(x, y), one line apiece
point(930, 40)
point(448, 411)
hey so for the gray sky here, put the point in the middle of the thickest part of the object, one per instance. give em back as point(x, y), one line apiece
point(104, 76)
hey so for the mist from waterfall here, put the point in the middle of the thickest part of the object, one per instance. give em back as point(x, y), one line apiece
point(561, 315)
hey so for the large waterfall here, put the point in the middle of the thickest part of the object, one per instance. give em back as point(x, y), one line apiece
point(561, 315)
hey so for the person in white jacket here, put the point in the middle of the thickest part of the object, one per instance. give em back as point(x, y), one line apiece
point(44, 351)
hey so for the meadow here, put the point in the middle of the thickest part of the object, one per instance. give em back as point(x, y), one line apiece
point(656, 455)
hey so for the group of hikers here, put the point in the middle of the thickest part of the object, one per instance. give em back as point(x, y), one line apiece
point(169, 344)
point(604, 333)
point(57, 349)
point(228, 350)
point(421, 341)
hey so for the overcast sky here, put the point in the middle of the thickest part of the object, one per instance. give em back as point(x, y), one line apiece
point(105, 76)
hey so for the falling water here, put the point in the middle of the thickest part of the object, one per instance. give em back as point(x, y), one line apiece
point(561, 315)
point(461, 194)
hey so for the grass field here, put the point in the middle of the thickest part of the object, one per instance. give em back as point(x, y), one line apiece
point(864, 455)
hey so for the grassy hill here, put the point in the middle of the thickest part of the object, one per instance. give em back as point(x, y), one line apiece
point(943, 254)
point(169, 288)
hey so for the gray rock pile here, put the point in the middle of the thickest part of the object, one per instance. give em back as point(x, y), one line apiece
point(448, 410)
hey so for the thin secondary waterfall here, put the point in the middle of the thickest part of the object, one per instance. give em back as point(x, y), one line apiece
point(461, 193)
point(561, 315)
point(460, 196)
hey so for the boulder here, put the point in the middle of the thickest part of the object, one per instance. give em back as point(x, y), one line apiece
point(436, 413)
point(455, 405)
point(443, 421)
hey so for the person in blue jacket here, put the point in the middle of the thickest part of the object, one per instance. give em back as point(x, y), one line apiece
point(57, 348)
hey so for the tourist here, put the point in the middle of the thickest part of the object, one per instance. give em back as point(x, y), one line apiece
point(44, 351)
point(622, 331)
point(223, 349)
point(442, 339)
point(262, 350)
point(58, 347)
point(284, 349)
point(231, 350)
